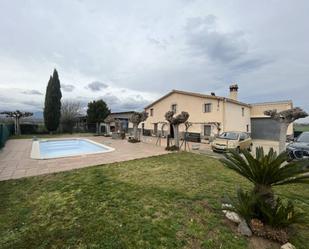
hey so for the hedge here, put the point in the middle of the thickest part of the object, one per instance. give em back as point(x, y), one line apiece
point(5, 132)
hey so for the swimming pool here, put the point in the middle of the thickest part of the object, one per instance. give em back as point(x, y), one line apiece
point(51, 148)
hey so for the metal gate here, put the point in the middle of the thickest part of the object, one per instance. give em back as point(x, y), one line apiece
point(265, 128)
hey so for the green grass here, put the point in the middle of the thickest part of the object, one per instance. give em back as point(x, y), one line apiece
point(301, 127)
point(170, 201)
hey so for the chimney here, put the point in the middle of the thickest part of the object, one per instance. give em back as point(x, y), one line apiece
point(233, 91)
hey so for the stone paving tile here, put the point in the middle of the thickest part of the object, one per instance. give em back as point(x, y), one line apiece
point(43, 171)
point(15, 161)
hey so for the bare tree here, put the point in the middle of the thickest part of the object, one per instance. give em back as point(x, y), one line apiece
point(70, 111)
point(136, 119)
point(17, 115)
point(285, 118)
point(217, 125)
point(175, 122)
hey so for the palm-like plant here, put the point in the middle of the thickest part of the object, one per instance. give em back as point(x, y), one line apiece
point(267, 170)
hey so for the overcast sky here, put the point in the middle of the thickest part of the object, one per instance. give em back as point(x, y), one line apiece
point(131, 52)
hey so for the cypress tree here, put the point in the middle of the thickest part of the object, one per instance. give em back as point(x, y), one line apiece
point(52, 106)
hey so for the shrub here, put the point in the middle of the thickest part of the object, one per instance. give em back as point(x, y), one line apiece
point(133, 140)
point(280, 215)
point(250, 206)
point(244, 204)
point(42, 129)
point(172, 148)
point(28, 128)
point(267, 170)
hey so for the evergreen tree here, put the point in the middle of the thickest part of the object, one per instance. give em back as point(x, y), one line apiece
point(52, 107)
point(97, 111)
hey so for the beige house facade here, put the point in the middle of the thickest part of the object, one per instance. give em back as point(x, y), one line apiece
point(209, 114)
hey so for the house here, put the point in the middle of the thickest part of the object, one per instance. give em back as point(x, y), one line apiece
point(211, 114)
point(123, 119)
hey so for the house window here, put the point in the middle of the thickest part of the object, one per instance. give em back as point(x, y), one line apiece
point(207, 107)
point(174, 108)
point(243, 111)
point(207, 130)
point(247, 128)
point(151, 112)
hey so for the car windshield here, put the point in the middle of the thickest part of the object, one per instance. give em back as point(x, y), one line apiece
point(303, 138)
point(229, 135)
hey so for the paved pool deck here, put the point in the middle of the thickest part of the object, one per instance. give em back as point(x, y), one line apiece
point(15, 161)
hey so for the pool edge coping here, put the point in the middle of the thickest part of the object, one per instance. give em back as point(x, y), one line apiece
point(35, 150)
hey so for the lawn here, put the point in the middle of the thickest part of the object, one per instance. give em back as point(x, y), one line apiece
point(301, 127)
point(170, 201)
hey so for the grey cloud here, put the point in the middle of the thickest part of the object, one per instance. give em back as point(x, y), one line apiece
point(251, 63)
point(195, 24)
point(205, 40)
point(67, 87)
point(83, 101)
point(162, 44)
point(110, 99)
point(96, 86)
point(32, 103)
point(229, 49)
point(5, 98)
point(131, 103)
point(204, 53)
point(7, 104)
point(116, 104)
point(32, 92)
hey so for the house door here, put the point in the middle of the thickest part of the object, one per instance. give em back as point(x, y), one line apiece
point(155, 129)
point(171, 131)
point(103, 129)
point(265, 128)
point(207, 130)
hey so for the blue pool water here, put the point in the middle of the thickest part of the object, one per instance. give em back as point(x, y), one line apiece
point(70, 147)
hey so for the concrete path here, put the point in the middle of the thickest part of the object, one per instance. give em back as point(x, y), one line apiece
point(15, 161)
point(205, 147)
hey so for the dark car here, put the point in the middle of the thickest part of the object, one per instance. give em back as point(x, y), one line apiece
point(299, 149)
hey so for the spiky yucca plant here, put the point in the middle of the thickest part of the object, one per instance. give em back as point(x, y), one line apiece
point(267, 170)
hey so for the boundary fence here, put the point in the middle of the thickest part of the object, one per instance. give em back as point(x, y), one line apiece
point(5, 132)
